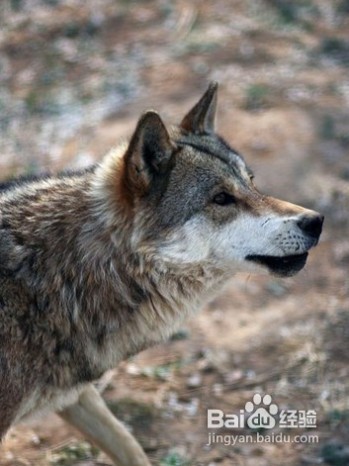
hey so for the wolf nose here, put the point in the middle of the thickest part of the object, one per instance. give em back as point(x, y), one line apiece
point(312, 225)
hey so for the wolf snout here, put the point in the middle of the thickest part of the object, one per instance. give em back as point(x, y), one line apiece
point(311, 224)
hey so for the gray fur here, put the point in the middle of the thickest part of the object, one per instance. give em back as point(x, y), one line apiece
point(83, 283)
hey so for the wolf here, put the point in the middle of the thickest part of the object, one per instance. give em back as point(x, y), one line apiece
point(97, 265)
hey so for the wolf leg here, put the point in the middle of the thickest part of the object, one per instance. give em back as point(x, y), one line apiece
point(92, 417)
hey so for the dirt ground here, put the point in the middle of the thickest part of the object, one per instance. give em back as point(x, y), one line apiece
point(74, 77)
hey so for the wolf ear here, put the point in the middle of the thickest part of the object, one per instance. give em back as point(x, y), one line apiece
point(149, 151)
point(201, 118)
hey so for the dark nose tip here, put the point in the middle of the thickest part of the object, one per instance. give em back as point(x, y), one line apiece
point(311, 224)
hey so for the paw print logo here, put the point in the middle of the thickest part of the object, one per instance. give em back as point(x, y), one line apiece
point(261, 412)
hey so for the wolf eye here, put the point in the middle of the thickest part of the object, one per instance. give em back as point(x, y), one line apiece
point(224, 199)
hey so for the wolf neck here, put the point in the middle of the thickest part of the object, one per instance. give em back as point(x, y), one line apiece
point(141, 302)
point(142, 307)
point(145, 300)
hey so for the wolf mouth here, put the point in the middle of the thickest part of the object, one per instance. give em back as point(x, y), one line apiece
point(284, 266)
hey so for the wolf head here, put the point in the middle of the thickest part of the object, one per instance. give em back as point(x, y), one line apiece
point(191, 199)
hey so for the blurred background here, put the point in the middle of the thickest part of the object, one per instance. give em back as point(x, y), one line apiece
point(75, 76)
